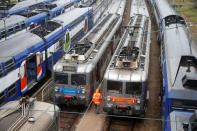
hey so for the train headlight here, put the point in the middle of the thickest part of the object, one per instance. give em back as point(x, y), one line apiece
point(83, 91)
point(56, 89)
point(108, 98)
point(138, 100)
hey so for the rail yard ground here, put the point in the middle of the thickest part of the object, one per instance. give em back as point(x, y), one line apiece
point(188, 8)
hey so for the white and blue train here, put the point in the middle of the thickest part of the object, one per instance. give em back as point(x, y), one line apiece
point(26, 57)
point(179, 69)
point(32, 17)
point(13, 9)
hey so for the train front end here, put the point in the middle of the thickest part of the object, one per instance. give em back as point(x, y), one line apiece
point(70, 86)
point(124, 97)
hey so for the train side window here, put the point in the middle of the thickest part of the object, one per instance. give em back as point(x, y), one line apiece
point(2, 97)
point(17, 27)
point(23, 26)
point(114, 87)
point(3, 34)
point(10, 31)
point(22, 71)
point(9, 65)
point(1, 71)
point(12, 90)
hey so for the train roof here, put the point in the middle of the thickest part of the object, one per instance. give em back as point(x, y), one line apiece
point(138, 7)
point(62, 2)
point(164, 8)
point(11, 20)
point(87, 52)
point(131, 58)
point(72, 15)
point(178, 118)
point(18, 44)
point(41, 112)
point(25, 4)
point(116, 7)
point(178, 43)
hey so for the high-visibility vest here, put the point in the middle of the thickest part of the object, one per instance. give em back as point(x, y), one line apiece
point(96, 98)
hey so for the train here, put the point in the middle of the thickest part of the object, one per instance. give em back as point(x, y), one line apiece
point(33, 17)
point(86, 3)
point(13, 9)
point(125, 80)
point(79, 72)
point(29, 114)
point(178, 95)
point(27, 57)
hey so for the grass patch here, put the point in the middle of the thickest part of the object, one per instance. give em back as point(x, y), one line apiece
point(189, 12)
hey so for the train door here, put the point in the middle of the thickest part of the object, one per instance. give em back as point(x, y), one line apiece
point(39, 66)
point(31, 69)
point(85, 29)
point(23, 76)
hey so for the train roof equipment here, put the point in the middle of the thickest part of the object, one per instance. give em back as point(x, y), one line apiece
point(131, 59)
point(21, 6)
point(25, 114)
point(84, 55)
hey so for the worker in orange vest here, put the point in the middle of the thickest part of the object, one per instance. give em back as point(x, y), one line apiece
point(97, 97)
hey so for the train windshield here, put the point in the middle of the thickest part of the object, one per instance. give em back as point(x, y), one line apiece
point(114, 87)
point(133, 88)
point(78, 79)
point(61, 78)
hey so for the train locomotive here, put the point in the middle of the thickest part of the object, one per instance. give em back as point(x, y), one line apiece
point(125, 80)
point(179, 69)
point(27, 57)
point(28, 114)
point(81, 70)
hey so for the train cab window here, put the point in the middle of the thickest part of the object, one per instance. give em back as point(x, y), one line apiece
point(9, 65)
point(12, 90)
point(78, 79)
point(114, 87)
point(133, 88)
point(2, 98)
point(61, 78)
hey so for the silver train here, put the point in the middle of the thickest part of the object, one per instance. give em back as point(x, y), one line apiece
point(125, 80)
point(81, 70)
point(179, 69)
point(29, 115)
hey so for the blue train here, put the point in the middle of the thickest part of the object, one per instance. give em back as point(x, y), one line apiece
point(30, 18)
point(20, 7)
point(26, 57)
point(179, 69)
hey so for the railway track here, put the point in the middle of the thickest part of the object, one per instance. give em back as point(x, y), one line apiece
point(120, 124)
point(69, 118)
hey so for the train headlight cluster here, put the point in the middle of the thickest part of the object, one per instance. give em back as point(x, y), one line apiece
point(56, 89)
point(138, 100)
point(108, 98)
point(83, 91)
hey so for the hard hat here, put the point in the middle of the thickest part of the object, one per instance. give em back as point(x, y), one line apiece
point(97, 90)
